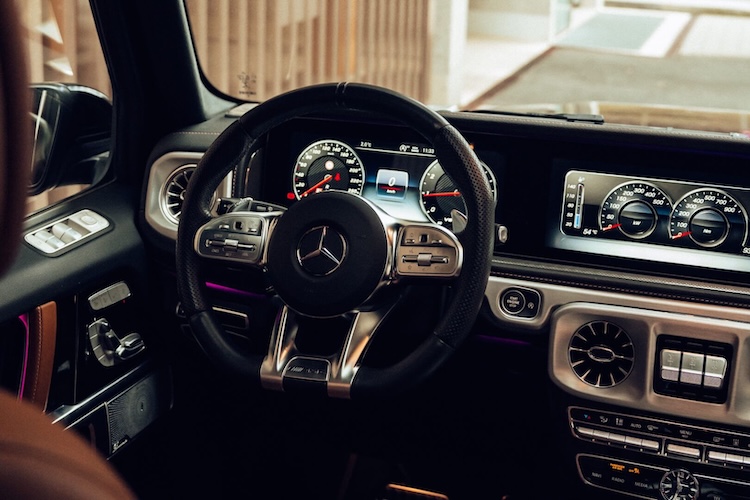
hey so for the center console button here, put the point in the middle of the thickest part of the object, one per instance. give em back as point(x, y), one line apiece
point(670, 365)
point(651, 445)
point(684, 451)
point(716, 368)
point(691, 368)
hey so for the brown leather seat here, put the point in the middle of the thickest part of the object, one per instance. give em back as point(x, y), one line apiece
point(37, 459)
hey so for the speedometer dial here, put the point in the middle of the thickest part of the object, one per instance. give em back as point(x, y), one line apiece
point(634, 209)
point(326, 165)
point(440, 196)
point(708, 218)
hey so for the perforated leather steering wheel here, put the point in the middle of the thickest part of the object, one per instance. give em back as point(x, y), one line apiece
point(331, 254)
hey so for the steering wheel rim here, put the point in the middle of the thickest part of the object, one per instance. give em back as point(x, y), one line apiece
point(237, 144)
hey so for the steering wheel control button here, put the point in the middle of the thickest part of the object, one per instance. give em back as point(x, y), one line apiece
point(520, 302)
point(427, 251)
point(670, 365)
point(232, 237)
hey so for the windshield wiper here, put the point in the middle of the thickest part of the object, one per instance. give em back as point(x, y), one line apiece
point(568, 117)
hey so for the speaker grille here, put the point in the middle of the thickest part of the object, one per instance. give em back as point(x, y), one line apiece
point(136, 408)
point(601, 354)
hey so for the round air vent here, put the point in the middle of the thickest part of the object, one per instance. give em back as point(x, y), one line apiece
point(173, 192)
point(601, 354)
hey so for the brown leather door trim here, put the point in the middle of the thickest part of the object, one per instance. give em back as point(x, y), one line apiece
point(41, 358)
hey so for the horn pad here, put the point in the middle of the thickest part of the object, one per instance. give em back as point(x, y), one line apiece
point(327, 254)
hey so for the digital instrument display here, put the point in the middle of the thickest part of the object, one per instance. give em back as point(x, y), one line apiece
point(654, 219)
point(404, 179)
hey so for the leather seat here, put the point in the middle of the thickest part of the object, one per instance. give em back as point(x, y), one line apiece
point(37, 459)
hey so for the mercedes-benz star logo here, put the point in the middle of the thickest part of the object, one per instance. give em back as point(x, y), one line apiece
point(321, 250)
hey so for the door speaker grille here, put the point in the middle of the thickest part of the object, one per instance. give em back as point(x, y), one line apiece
point(601, 354)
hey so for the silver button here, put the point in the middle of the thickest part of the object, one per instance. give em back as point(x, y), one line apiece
point(685, 451)
point(670, 365)
point(716, 368)
point(633, 441)
point(650, 445)
point(691, 368)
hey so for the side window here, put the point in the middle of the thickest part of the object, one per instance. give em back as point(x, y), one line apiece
point(66, 65)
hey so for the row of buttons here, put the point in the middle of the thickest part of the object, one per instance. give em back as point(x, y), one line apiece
point(614, 438)
point(730, 459)
point(693, 368)
point(660, 429)
point(58, 235)
point(679, 450)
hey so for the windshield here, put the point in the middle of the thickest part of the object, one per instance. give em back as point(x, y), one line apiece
point(666, 63)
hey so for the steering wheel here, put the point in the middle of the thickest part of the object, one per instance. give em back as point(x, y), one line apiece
point(332, 254)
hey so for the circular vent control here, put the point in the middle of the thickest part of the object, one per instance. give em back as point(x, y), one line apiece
point(601, 354)
point(173, 192)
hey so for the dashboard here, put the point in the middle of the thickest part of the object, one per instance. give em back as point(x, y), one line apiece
point(621, 253)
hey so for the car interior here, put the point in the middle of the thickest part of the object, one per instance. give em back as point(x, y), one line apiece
point(340, 292)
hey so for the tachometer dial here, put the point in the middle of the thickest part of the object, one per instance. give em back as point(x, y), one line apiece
point(633, 209)
point(326, 165)
point(708, 218)
point(440, 196)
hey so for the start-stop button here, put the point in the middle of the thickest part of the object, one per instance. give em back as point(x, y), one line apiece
point(520, 302)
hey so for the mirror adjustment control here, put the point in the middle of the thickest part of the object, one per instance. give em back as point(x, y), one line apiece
point(520, 302)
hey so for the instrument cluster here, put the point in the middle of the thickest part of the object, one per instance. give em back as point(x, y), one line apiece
point(404, 179)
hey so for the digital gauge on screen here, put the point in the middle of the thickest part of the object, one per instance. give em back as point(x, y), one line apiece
point(326, 165)
point(439, 195)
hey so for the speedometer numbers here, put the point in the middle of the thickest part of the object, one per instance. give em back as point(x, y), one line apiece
point(326, 165)
point(704, 218)
point(634, 209)
point(709, 218)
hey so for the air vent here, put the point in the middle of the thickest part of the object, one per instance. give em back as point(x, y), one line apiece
point(601, 354)
point(173, 192)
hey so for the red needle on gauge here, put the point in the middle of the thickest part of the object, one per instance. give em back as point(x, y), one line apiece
point(449, 193)
point(316, 186)
point(611, 226)
point(681, 235)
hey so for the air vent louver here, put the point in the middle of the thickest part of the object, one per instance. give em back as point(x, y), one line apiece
point(601, 354)
point(173, 192)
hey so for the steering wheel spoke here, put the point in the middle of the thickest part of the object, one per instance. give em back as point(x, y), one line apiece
point(428, 251)
point(239, 237)
point(285, 364)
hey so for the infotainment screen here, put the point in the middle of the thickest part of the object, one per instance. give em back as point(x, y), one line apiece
point(652, 219)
